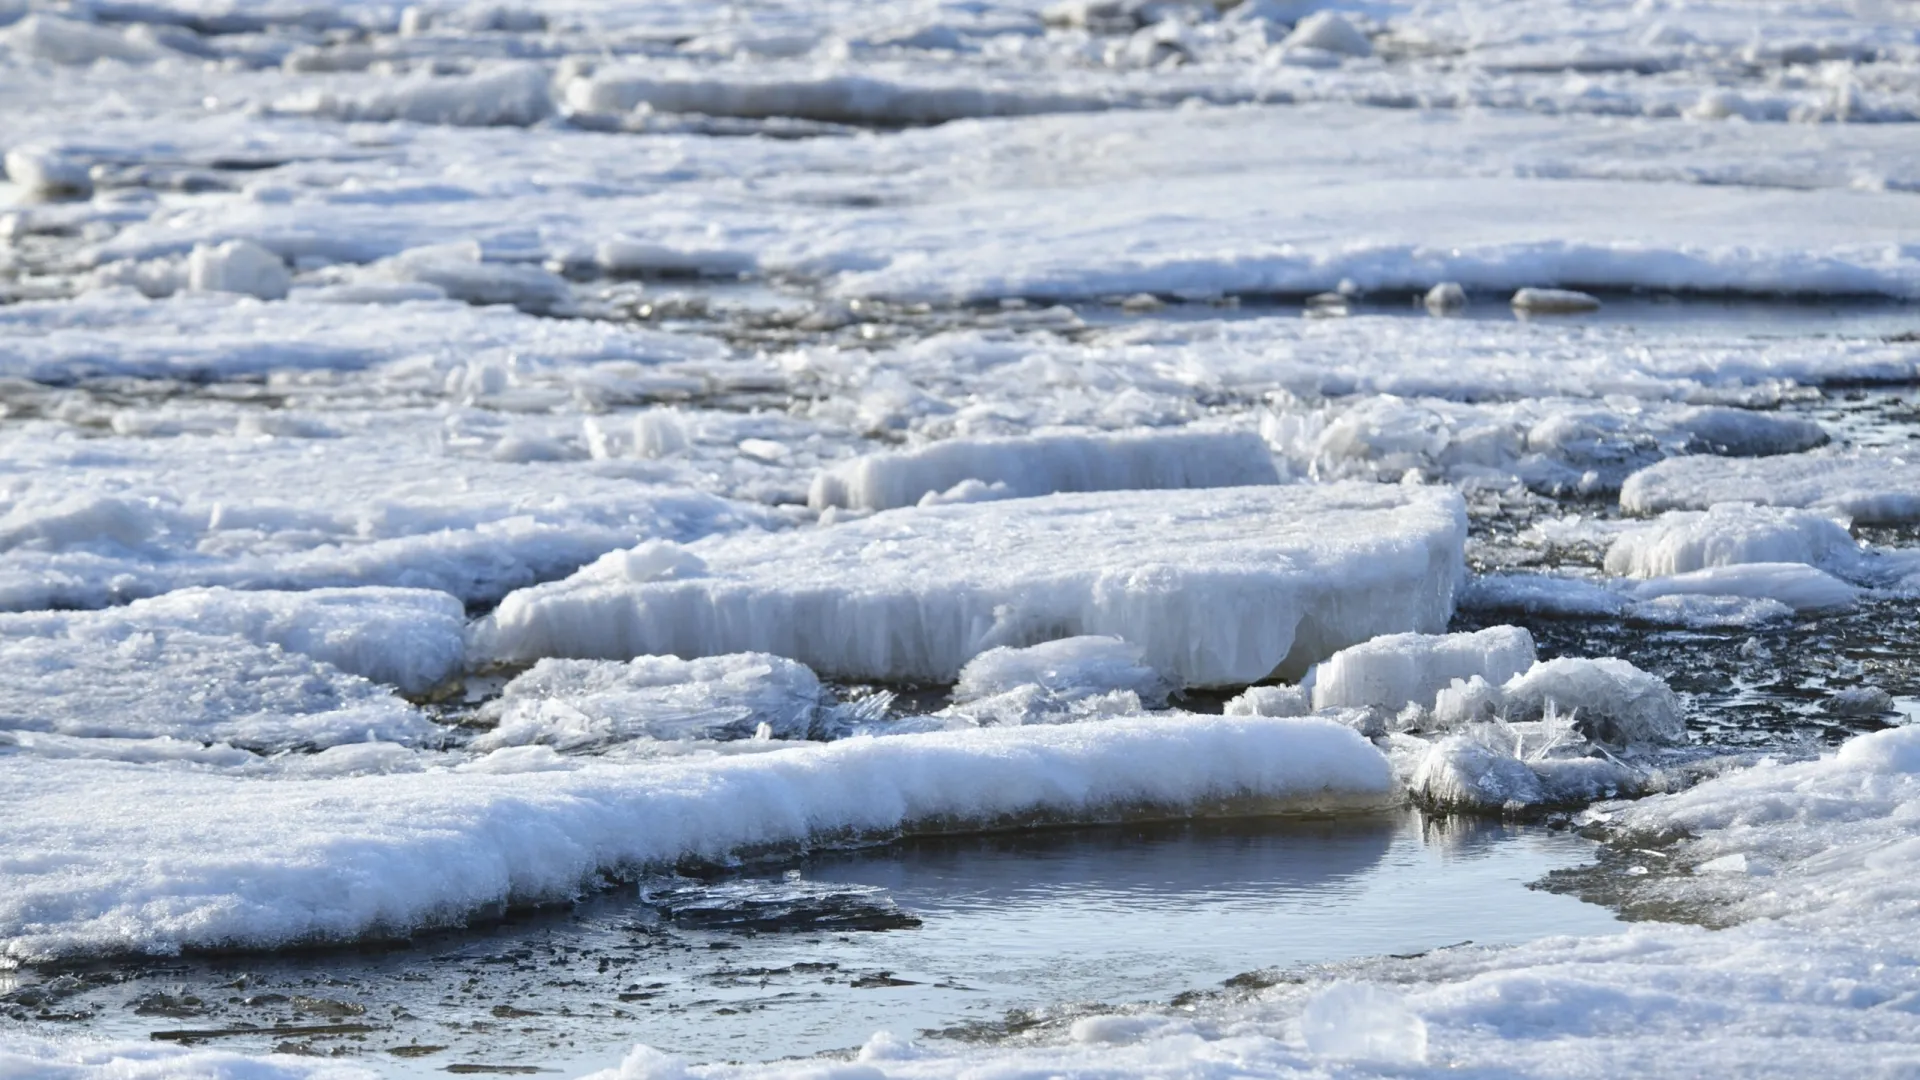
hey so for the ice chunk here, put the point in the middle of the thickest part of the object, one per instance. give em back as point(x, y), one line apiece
point(1747, 433)
point(575, 705)
point(1703, 612)
point(459, 271)
point(1363, 1022)
point(74, 43)
point(1075, 665)
point(1611, 700)
point(1868, 486)
point(1681, 542)
point(826, 95)
point(1461, 773)
point(1554, 301)
point(1056, 681)
point(155, 859)
point(1218, 587)
point(104, 674)
point(1446, 297)
point(1860, 701)
point(1797, 585)
point(638, 257)
point(512, 96)
point(1399, 669)
point(1328, 31)
point(238, 266)
point(44, 173)
point(1043, 464)
point(1271, 701)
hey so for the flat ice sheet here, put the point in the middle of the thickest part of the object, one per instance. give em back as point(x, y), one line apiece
point(118, 857)
point(1218, 587)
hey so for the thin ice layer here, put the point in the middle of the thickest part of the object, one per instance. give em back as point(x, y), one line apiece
point(986, 468)
point(1217, 587)
point(155, 859)
point(1872, 485)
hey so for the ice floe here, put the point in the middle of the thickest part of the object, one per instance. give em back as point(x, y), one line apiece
point(1217, 586)
point(189, 858)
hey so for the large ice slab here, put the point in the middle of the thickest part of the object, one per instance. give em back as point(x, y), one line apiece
point(118, 857)
point(1872, 485)
point(1217, 586)
point(962, 470)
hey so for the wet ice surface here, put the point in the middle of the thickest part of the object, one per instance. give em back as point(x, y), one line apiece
point(356, 362)
point(965, 939)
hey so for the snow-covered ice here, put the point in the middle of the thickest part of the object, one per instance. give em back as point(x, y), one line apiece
point(183, 857)
point(1216, 586)
point(734, 352)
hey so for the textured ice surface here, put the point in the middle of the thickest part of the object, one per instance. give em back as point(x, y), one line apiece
point(118, 674)
point(1401, 669)
point(1796, 585)
point(575, 705)
point(1217, 587)
point(1069, 679)
point(1865, 485)
point(185, 857)
point(1610, 700)
point(959, 469)
point(86, 520)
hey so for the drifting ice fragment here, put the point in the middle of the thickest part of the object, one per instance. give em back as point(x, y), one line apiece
point(575, 705)
point(238, 266)
point(1399, 669)
point(1271, 701)
point(1328, 32)
point(1796, 585)
point(48, 174)
point(1612, 701)
point(1446, 297)
point(1681, 542)
point(1218, 587)
point(1044, 464)
point(1554, 301)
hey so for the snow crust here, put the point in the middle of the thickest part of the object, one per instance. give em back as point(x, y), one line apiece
point(1014, 467)
point(1226, 586)
point(202, 859)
